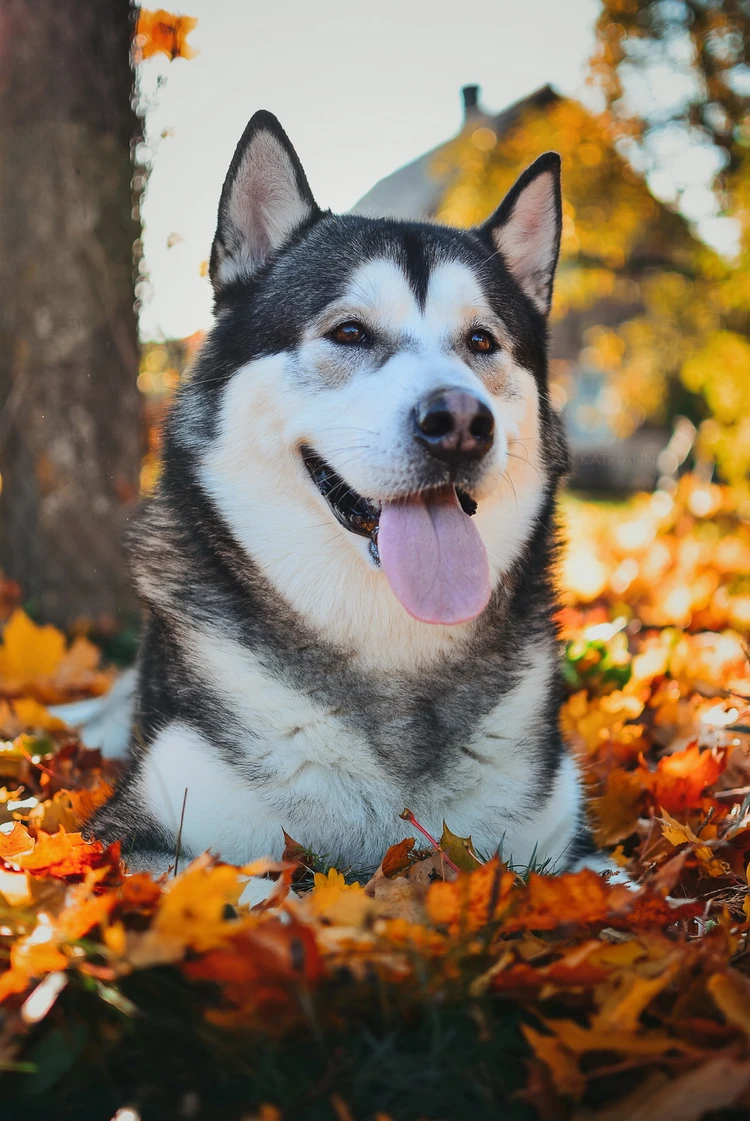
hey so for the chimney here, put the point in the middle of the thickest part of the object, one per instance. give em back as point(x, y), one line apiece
point(470, 95)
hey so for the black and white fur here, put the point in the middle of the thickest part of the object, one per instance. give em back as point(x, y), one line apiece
point(281, 683)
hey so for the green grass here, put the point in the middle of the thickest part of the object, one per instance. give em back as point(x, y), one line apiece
point(378, 1048)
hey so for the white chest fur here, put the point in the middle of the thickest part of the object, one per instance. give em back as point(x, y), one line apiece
point(305, 769)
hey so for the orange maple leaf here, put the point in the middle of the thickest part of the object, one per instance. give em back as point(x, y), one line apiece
point(139, 892)
point(64, 854)
point(473, 899)
point(161, 32)
point(15, 843)
point(262, 970)
point(680, 779)
point(396, 858)
point(574, 898)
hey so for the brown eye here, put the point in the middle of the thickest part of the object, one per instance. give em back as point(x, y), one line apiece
point(481, 342)
point(350, 333)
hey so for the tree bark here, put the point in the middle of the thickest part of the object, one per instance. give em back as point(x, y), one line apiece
point(69, 403)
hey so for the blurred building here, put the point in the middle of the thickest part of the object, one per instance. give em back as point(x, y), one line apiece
point(601, 460)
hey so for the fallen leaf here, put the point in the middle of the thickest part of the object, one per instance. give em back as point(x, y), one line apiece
point(28, 652)
point(473, 899)
point(24, 714)
point(678, 834)
point(64, 854)
point(578, 898)
point(460, 850)
point(731, 993)
point(680, 779)
point(15, 842)
point(396, 858)
point(630, 996)
point(561, 1063)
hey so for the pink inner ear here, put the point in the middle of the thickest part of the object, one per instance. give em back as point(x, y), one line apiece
point(528, 240)
point(265, 204)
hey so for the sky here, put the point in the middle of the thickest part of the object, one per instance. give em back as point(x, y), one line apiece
point(361, 88)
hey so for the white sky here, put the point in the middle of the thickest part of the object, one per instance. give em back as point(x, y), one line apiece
point(361, 88)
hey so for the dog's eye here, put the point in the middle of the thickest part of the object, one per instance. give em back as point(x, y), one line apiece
point(350, 333)
point(481, 342)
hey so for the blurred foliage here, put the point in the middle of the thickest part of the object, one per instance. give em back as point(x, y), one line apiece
point(162, 367)
point(690, 58)
point(665, 318)
point(672, 560)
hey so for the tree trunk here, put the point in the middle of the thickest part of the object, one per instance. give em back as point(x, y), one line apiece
point(69, 404)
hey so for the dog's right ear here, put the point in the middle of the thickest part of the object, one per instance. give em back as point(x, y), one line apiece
point(264, 199)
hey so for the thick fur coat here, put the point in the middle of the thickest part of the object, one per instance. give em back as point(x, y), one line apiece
point(283, 684)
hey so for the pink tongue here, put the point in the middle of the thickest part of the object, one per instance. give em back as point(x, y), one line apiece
point(434, 558)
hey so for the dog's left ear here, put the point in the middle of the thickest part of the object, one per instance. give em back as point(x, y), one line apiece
point(526, 228)
point(265, 198)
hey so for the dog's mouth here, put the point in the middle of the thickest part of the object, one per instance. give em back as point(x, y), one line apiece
point(353, 511)
point(432, 555)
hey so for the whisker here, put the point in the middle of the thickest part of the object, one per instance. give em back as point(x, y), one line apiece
point(512, 487)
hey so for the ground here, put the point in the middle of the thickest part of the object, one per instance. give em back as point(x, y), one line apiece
point(446, 985)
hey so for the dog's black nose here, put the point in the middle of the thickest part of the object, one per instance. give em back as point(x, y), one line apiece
point(454, 426)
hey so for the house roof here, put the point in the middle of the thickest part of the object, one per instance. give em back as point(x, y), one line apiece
point(416, 189)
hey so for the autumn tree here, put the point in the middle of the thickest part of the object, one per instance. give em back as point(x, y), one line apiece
point(69, 405)
point(677, 68)
point(666, 318)
point(675, 81)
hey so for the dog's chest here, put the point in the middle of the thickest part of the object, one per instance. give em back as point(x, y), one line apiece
point(335, 766)
point(368, 724)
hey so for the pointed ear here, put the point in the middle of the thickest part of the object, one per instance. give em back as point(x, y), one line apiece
point(526, 227)
point(264, 199)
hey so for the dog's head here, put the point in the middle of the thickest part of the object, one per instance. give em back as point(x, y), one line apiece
point(381, 382)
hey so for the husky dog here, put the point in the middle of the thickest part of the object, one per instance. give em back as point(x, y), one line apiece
point(347, 565)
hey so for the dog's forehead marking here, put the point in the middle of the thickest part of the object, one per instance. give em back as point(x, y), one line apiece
point(454, 296)
point(381, 287)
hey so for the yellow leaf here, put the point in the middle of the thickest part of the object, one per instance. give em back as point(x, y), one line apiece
point(337, 901)
point(678, 834)
point(321, 880)
point(78, 664)
point(29, 651)
point(632, 994)
point(192, 910)
point(731, 994)
point(35, 717)
point(562, 1065)
point(581, 1040)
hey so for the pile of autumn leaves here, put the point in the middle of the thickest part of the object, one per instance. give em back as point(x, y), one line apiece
point(653, 982)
